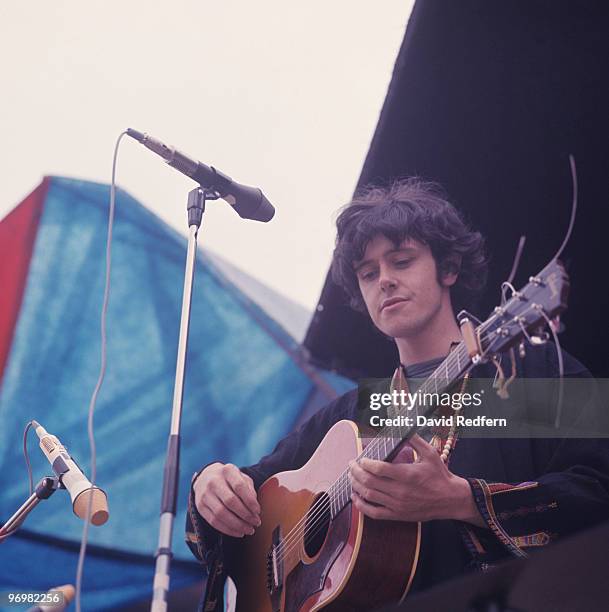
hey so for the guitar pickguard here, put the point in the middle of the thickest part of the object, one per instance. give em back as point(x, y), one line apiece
point(309, 578)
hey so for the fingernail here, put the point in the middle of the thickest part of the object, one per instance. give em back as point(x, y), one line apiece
point(251, 531)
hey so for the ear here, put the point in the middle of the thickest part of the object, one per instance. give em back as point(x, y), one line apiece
point(449, 271)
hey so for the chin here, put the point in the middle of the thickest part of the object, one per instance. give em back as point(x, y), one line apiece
point(399, 329)
point(406, 326)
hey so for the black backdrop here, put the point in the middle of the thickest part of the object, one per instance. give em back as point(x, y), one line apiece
point(489, 98)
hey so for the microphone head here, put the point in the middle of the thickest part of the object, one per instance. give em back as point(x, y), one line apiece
point(250, 203)
point(99, 505)
point(68, 595)
point(139, 136)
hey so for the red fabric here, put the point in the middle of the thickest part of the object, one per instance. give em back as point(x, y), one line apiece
point(17, 235)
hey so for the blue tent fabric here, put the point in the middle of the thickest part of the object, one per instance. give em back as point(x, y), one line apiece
point(111, 578)
point(245, 386)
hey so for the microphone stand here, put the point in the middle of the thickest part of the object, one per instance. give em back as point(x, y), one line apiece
point(196, 207)
point(44, 489)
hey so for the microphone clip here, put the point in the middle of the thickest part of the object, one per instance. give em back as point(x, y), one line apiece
point(43, 490)
point(196, 204)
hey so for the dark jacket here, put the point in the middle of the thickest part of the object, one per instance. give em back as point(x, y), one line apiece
point(529, 492)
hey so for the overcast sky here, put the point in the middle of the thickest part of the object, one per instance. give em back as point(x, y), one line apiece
point(281, 95)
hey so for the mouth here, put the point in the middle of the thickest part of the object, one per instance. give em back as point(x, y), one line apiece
point(390, 302)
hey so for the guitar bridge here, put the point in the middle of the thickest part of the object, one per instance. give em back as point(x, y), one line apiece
point(274, 570)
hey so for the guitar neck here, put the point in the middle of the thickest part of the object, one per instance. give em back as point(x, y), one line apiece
point(390, 437)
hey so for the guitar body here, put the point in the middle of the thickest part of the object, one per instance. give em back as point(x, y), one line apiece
point(348, 562)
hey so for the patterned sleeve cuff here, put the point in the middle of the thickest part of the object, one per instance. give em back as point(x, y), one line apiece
point(518, 517)
point(483, 496)
point(202, 539)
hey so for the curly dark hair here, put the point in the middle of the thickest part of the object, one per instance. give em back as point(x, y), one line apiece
point(410, 208)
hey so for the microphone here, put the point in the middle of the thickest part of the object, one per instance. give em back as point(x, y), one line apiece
point(72, 478)
point(248, 202)
point(58, 598)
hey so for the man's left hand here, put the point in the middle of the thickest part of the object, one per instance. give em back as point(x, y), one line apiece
point(420, 491)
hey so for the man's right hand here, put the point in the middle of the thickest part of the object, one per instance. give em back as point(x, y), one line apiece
point(225, 497)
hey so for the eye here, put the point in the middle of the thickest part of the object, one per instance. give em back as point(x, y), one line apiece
point(402, 263)
point(367, 275)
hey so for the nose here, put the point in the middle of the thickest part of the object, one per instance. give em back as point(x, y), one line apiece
point(386, 280)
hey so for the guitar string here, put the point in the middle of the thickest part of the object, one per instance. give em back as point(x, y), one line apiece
point(333, 496)
point(320, 508)
point(317, 525)
point(293, 537)
point(341, 484)
point(323, 504)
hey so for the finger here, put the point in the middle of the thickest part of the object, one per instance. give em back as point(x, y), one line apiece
point(423, 449)
point(243, 486)
point(375, 512)
point(360, 475)
point(252, 492)
point(223, 528)
point(384, 473)
point(238, 508)
point(245, 502)
point(381, 469)
point(390, 489)
point(405, 454)
point(374, 496)
point(220, 513)
point(216, 523)
point(360, 472)
point(226, 529)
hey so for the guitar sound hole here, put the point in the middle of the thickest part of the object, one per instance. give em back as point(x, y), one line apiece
point(317, 524)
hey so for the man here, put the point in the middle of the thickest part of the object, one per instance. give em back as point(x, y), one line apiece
point(405, 255)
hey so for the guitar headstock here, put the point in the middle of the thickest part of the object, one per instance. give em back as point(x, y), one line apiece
point(542, 299)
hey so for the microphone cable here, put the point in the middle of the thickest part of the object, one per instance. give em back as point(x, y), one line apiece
point(102, 372)
point(28, 465)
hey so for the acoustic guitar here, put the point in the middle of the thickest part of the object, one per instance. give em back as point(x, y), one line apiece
point(314, 550)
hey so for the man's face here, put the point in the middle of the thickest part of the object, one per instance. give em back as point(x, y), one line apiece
point(400, 286)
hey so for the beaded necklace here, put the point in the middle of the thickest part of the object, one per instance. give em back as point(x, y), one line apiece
point(443, 439)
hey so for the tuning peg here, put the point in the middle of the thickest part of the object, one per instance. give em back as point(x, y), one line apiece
point(540, 338)
point(557, 325)
point(522, 352)
point(464, 314)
